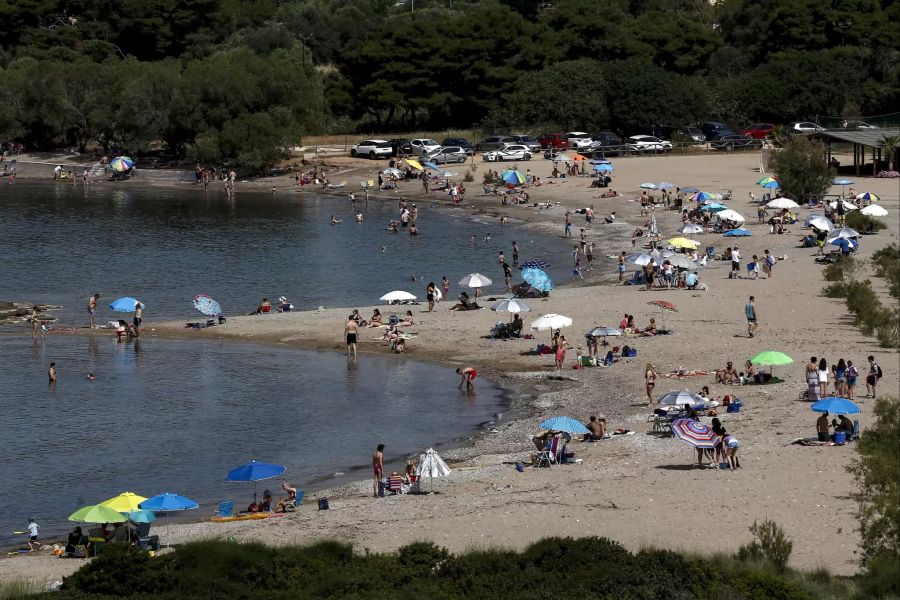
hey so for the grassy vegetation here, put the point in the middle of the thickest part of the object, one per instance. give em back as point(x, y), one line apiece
point(16, 588)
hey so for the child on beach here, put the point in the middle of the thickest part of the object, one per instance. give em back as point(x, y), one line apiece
point(33, 535)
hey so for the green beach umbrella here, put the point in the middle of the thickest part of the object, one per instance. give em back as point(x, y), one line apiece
point(770, 358)
point(97, 513)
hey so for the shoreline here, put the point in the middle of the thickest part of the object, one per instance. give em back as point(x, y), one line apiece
point(635, 489)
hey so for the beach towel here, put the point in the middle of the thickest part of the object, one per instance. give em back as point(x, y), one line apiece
point(677, 375)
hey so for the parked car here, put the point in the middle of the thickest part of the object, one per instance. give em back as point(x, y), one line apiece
point(508, 152)
point(527, 140)
point(371, 149)
point(758, 131)
point(493, 142)
point(400, 146)
point(578, 140)
point(463, 143)
point(714, 130)
point(423, 145)
point(447, 154)
point(553, 140)
point(658, 131)
point(805, 128)
point(649, 143)
point(607, 142)
point(857, 125)
point(733, 142)
point(688, 134)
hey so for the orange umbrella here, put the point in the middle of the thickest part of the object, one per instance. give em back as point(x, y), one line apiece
point(580, 157)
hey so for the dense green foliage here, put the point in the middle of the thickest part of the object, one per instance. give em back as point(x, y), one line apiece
point(583, 568)
point(241, 79)
point(801, 169)
point(876, 472)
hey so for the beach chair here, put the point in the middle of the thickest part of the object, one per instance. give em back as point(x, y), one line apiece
point(710, 251)
point(395, 484)
point(497, 329)
point(548, 455)
point(226, 509)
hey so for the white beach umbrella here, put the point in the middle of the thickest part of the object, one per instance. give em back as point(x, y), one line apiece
point(397, 296)
point(394, 172)
point(511, 305)
point(551, 321)
point(431, 465)
point(847, 205)
point(640, 259)
point(845, 233)
point(474, 280)
point(682, 261)
point(783, 203)
point(874, 210)
point(690, 228)
point(680, 398)
point(820, 222)
point(731, 215)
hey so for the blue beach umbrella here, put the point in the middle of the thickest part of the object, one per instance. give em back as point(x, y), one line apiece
point(432, 166)
point(207, 306)
point(845, 244)
point(771, 184)
point(168, 502)
point(740, 232)
point(713, 207)
point(537, 279)
point(140, 516)
point(690, 190)
point(124, 304)
point(842, 182)
point(701, 196)
point(254, 471)
point(604, 168)
point(837, 406)
point(567, 424)
point(513, 177)
point(534, 263)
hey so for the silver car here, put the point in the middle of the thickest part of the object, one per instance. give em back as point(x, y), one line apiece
point(447, 154)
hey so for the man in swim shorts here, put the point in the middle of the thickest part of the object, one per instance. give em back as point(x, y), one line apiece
point(351, 331)
point(92, 308)
point(467, 375)
point(377, 468)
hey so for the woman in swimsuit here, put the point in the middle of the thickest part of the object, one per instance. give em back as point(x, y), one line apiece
point(560, 352)
point(429, 294)
point(377, 468)
point(650, 378)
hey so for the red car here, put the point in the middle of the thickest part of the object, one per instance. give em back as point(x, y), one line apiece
point(553, 140)
point(758, 131)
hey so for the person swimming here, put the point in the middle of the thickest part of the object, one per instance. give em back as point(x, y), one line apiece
point(335, 221)
point(90, 377)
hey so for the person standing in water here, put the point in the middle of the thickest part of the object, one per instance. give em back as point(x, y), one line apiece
point(377, 468)
point(138, 317)
point(351, 332)
point(467, 376)
point(515, 253)
point(92, 308)
point(51, 372)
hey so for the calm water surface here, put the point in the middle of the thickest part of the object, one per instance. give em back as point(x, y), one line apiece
point(167, 415)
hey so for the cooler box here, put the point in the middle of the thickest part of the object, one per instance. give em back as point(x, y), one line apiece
point(734, 406)
point(840, 438)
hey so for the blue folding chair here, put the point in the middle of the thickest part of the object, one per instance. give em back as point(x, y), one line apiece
point(226, 509)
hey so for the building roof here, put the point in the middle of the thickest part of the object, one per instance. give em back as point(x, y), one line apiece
point(873, 138)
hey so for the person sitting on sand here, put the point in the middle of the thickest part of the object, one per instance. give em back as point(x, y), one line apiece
point(822, 427)
point(375, 321)
point(597, 428)
point(465, 303)
point(650, 330)
point(690, 413)
point(266, 504)
point(843, 424)
point(727, 375)
point(408, 319)
point(515, 328)
point(750, 371)
point(264, 307)
point(286, 503)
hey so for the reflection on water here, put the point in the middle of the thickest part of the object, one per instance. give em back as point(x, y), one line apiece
point(176, 415)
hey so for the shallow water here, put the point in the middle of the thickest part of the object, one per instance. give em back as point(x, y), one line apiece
point(165, 415)
point(62, 243)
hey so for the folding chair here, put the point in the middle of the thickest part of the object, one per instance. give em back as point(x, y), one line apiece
point(226, 509)
point(548, 455)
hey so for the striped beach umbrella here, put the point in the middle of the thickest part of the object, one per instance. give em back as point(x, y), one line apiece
point(867, 196)
point(766, 180)
point(513, 177)
point(120, 164)
point(701, 196)
point(695, 433)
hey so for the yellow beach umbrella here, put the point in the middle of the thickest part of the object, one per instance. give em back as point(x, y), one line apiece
point(124, 502)
point(683, 242)
point(415, 164)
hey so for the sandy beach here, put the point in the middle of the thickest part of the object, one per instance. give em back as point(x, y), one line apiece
point(641, 489)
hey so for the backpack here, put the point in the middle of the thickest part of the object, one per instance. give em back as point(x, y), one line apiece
point(878, 371)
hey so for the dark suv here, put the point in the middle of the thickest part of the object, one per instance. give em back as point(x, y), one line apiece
point(494, 142)
point(607, 142)
point(713, 130)
point(688, 134)
point(463, 143)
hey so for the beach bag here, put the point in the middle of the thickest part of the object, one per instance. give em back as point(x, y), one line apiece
point(878, 371)
point(394, 319)
point(323, 502)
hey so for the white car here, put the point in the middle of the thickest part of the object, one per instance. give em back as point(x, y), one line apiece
point(424, 146)
point(805, 127)
point(508, 152)
point(579, 140)
point(371, 149)
point(649, 143)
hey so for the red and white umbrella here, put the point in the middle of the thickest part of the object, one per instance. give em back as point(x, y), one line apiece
point(695, 433)
point(666, 306)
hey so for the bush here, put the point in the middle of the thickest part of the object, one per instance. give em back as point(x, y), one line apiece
point(835, 290)
point(863, 304)
point(468, 177)
point(121, 570)
point(802, 170)
point(887, 265)
point(861, 222)
point(771, 544)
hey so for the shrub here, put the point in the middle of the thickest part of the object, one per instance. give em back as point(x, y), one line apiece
point(887, 265)
point(835, 290)
point(770, 544)
point(121, 570)
point(861, 222)
point(801, 170)
point(468, 177)
point(863, 304)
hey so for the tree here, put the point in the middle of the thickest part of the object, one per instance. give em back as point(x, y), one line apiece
point(876, 471)
point(890, 149)
point(801, 169)
point(676, 42)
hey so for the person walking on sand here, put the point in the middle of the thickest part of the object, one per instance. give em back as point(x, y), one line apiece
point(351, 333)
point(377, 468)
point(589, 216)
point(567, 231)
point(622, 266)
point(750, 313)
point(467, 376)
point(92, 308)
point(650, 380)
point(138, 318)
point(768, 263)
point(560, 352)
point(430, 293)
point(32, 535)
point(51, 372)
point(872, 378)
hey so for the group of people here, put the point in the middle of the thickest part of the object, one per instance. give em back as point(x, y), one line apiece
point(842, 376)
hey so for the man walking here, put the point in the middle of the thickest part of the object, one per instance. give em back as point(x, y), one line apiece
point(377, 468)
point(92, 308)
point(872, 378)
point(735, 264)
point(750, 313)
point(351, 332)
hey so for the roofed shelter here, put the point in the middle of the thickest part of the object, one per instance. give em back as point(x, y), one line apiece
point(863, 140)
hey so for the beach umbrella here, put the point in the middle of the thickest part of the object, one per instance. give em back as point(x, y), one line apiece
point(664, 306)
point(168, 502)
point(511, 305)
point(397, 296)
point(563, 157)
point(124, 502)
point(771, 184)
point(874, 210)
point(604, 168)
point(97, 513)
point(867, 196)
point(690, 228)
point(474, 280)
point(682, 261)
point(414, 164)
point(739, 232)
point(513, 177)
point(690, 190)
point(120, 164)
point(534, 263)
point(566, 424)
point(648, 186)
point(845, 244)
point(843, 183)
point(680, 398)
point(783, 203)
point(206, 305)
point(845, 233)
point(254, 471)
point(393, 172)
point(765, 180)
point(714, 207)
point(820, 222)
point(432, 166)
point(140, 516)
point(731, 215)
point(551, 322)
point(695, 433)
point(665, 185)
point(431, 465)
point(700, 196)
point(682, 242)
point(604, 332)
point(641, 259)
point(125, 304)
point(835, 406)
point(770, 358)
point(538, 279)
point(847, 205)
